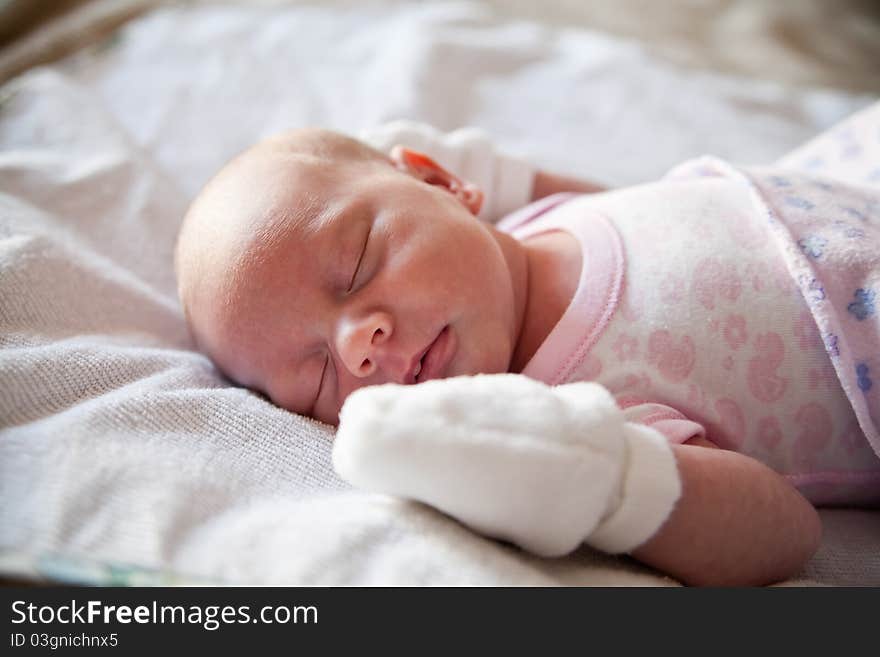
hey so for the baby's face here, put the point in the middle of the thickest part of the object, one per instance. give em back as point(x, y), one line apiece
point(334, 276)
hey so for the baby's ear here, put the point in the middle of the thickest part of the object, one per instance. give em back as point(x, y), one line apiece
point(428, 171)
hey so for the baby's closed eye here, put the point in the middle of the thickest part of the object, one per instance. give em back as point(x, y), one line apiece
point(358, 265)
point(320, 386)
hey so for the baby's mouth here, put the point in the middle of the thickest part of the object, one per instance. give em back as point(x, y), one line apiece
point(435, 359)
point(415, 370)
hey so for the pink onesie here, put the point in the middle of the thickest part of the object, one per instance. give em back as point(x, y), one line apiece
point(738, 304)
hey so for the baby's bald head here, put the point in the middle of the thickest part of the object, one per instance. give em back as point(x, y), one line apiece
point(244, 214)
point(313, 265)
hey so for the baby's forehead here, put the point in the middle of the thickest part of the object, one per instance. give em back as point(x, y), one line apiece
point(250, 232)
point(265, 201)
point(272, 192)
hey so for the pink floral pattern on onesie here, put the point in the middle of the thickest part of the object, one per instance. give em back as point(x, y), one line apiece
point(739, 304)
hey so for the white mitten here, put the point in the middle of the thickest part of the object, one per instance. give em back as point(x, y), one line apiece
point(544, 467)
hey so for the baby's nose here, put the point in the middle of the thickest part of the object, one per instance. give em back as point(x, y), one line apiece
point(367, 366)
point(362, 343)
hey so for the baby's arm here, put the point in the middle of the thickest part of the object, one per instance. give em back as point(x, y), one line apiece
point(549, 468)
point(737, 522)
point(545, 184)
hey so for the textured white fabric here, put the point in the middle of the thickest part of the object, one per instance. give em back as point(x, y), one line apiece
point(513, 458)
point(117, 439)
point(648, 490)
point(568, 99)
point(119, 442)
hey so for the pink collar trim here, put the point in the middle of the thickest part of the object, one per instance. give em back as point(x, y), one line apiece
point(599, 287)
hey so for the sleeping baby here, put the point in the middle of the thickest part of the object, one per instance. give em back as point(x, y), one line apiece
point(680, 371)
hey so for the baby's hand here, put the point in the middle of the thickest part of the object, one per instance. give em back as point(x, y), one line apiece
point(512, 458)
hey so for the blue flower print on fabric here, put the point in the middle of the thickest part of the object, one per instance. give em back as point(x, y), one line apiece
point(831, 345)
point(812, 245)
point(779, 181)
point(851, 232)
point(863, 378)
point(812, 289)
point(854, 213)
point(863, 307)
point(798, 202)
point(817, 292)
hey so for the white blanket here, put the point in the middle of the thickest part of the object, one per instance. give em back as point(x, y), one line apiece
point(119, 442)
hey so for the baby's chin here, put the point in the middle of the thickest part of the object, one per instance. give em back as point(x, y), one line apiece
point(494, 361)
